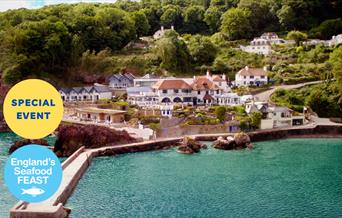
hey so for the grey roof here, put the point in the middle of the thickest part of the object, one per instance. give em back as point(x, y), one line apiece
point(280, 109)
point(102, 89)
point(77, 89)
point(133, 90)
point(129, 76)
point(120, 77)
point(99, 89)
point(65, 90)
point(88, 88)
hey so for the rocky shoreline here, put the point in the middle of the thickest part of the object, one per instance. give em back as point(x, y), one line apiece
point(190, 145)
point(4, 127)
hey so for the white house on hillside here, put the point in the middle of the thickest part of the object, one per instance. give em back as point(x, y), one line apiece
point(281, 117)
point(251, 76)
point(263, 44)
point(160, 33)
point(336, 40)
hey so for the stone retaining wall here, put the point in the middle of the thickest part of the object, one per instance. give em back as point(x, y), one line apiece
point(136, 147)
point(315, 132)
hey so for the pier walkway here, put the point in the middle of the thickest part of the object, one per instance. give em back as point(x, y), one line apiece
point(73, 169)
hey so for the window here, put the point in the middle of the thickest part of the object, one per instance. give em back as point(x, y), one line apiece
point(187, 99)
point(251, 82)
point(251, 77)
point(244, 77)
point(262, 77)
point(198, 92)
point(175, 90)
point(218, 92)
point(220, 83)
point(164, 91)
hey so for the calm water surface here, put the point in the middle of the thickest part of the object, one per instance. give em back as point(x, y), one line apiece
point(285, 178)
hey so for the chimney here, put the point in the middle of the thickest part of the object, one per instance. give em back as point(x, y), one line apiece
point(162, 28)
point(246, 68)
point(208, 74)
point(172, 27)
point(265, 68)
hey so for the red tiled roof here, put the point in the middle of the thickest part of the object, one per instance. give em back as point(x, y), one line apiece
point(218, 78)
point(252, 72)
point(203, 83)
point(172, 84)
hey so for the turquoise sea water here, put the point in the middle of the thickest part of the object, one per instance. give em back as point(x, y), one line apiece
point(6, 199)
point(285, 178)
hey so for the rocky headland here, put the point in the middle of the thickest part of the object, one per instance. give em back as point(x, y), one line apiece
point(71, 137)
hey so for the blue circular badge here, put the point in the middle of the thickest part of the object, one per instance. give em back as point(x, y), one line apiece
point(33, 173)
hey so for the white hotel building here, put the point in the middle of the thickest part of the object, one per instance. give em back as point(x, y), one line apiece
point(199, 90)
point(251, 76)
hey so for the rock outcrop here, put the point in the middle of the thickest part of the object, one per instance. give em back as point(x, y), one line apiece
point(18, 144)
point(189, 146)
point(72, 137)
point(240, 141)
point(223, 144)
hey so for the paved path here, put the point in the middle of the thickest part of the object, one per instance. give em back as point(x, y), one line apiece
point(71, 175)
point(264, 96)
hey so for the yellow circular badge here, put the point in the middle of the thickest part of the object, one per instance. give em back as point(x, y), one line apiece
point(33, 109)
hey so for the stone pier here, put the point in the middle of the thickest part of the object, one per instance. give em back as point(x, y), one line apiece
point(73, 169)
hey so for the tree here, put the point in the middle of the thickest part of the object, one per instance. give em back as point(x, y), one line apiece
point(141, 23)
point(297, 36)
point(202, 50)
point(286, 17)
point(193, 19)
point(173, 53)
point(255, 119)
point(212, 17)
point(171, 16)
point(236, 23)
point(220, 112)
point(336, 62)
point(327, 29)
point(262, 15)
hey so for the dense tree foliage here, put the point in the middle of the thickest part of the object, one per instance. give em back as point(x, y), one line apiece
point(297, 36)
point(202, 50)
point(52, 41)
point(173, 52)
point(336, 61)
point(236, 23)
